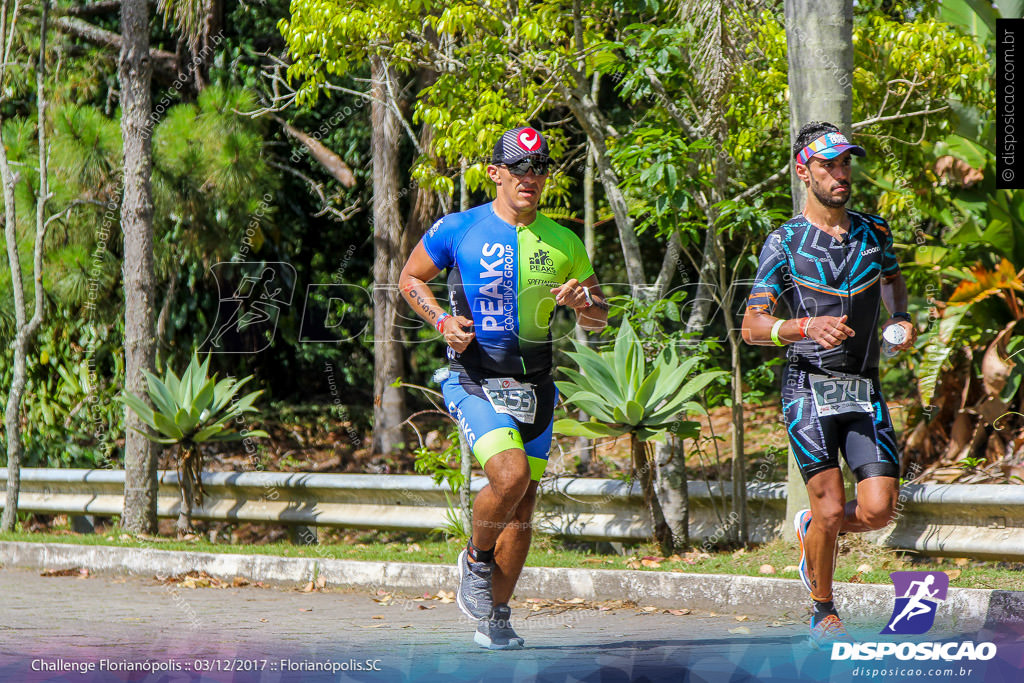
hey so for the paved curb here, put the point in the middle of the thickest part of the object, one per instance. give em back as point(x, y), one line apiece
point(967, 609)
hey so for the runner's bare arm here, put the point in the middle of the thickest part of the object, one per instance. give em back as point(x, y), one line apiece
point(418, 271)
point(894, 292)
point(829, 331)
point(894, 296)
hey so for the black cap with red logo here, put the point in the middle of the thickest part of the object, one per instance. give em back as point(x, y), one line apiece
point(518, 143)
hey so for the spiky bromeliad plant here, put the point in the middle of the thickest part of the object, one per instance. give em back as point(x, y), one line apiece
point(192, 411)
point(621, 397)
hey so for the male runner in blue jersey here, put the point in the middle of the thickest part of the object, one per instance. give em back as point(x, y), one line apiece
point(508, 267)
point(832, 267)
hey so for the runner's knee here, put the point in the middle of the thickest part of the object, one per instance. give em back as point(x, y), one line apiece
point(511, 481)
point(875, 515)
point(828, 515)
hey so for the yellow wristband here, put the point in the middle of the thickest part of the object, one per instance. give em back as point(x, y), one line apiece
point(775, 332)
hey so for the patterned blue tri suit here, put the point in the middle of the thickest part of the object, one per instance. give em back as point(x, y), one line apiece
point(501, 276)
point(814, 274)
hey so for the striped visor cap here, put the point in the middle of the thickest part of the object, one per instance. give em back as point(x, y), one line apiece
point(518, 143)
point(828, 146)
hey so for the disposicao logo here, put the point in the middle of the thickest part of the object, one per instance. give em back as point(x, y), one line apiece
point(917, 597)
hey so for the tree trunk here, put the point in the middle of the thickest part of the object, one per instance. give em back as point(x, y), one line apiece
point(184, 524)
point(135, 75)
point(703, 298)
point(643, 465)
point(670, 468)
point(584, 447)
point(819, 34)
point(585, 109)
point(26, 332)
point(424, 207)
point(12, 414)
point(739, 456)
point(389, 404)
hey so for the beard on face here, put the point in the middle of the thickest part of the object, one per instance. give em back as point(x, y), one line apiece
point(826, 198)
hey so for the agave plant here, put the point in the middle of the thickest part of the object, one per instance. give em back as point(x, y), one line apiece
point(621, 397)
point(192, 411)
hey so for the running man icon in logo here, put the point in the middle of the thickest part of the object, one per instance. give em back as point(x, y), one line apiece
point(254, 304)
point(917, 597)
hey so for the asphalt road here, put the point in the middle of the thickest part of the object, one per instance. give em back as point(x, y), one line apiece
point(83, 629)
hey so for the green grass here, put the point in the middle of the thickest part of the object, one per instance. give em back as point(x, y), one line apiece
point(550, 552)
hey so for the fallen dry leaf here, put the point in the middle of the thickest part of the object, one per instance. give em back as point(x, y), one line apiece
point(427, 606)
point(864, 568)
point(377, 616)
point(740, 630)
point(782, 622)
point(263, 620)
point(650, 563)
point(766, 569)
point(953, 573)
point(679, 612)
point(74, 571)
point(239, 581)
point(962, 561)
point(790, 568)
point(743, 617)
point(305, 609)
point(195, 579)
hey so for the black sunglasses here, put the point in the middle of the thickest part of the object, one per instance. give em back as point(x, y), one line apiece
point(521, 167)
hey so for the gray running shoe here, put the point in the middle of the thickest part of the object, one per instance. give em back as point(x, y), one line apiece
point(474, 594)
point(495, 632)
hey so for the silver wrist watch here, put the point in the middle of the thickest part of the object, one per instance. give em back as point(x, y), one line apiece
point(586, 295)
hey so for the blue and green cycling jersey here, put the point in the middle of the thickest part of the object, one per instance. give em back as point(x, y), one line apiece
point(500, 276)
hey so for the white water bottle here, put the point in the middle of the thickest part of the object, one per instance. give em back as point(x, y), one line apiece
point(893, 336)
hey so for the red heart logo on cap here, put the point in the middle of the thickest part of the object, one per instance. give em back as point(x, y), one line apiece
point(529, 139)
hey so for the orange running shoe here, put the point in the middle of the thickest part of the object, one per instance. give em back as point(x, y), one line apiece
point(828, 630)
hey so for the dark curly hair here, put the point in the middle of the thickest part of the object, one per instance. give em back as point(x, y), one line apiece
point(811, 131)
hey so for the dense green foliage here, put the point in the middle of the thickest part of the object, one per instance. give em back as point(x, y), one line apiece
point(231, 183)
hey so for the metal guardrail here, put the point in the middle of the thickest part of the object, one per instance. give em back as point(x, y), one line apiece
point(982, 521)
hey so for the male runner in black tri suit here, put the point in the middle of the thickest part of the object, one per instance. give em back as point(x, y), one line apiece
point(832, 267)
